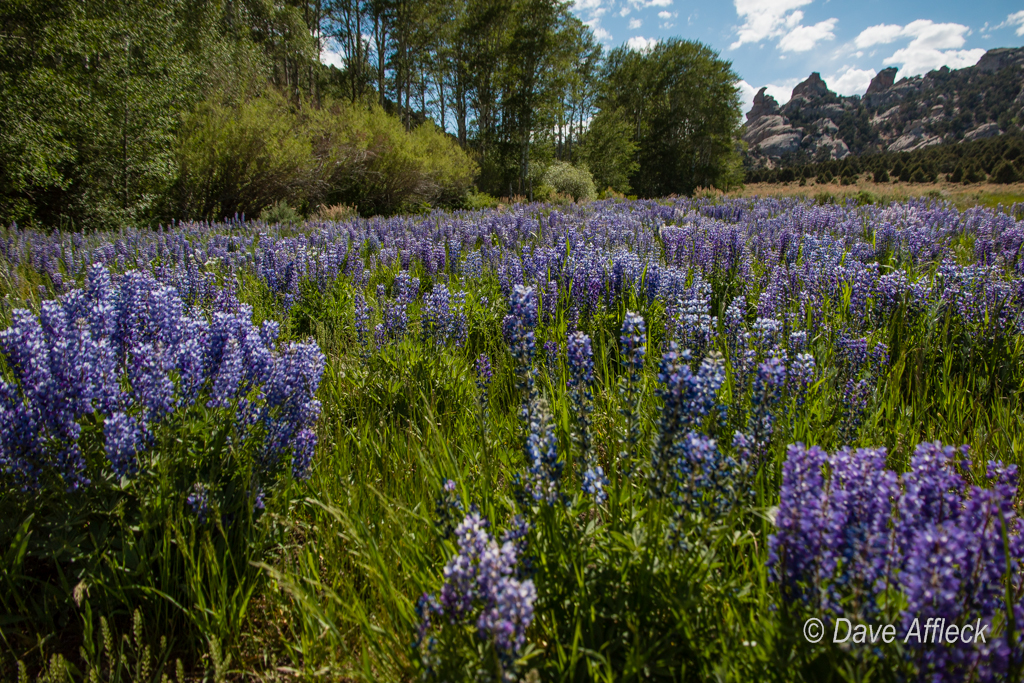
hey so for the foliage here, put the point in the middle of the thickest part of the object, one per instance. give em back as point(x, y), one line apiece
point(371, 162)
point(570, 180)
point(609, 149)
point(682, 103)
point(242, 160)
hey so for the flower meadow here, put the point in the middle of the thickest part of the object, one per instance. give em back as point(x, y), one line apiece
point(622, 440)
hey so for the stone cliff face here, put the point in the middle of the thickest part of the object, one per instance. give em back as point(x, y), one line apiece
point(943, 106)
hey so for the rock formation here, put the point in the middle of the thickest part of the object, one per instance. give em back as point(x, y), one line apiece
point(893, 115)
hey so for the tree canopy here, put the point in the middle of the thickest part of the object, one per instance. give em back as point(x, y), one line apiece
point(106, 106)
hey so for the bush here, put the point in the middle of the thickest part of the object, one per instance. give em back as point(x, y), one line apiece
point(280, 213)
point(336, 213)
point(973, 175)
point(375, 165)
point(864, 197)
point(245, 159)
point(880, 176)
point(241, 160)
point(476, 201)
point(1005, 173)
point(570, 180)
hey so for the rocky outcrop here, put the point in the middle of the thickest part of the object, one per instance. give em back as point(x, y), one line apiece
point(882, 81)
point(893, 115)
point(913, 141)
point(985, 130)
point(764, 105)
point(781, 144)
point(812, 88)
point(772, 136)
point(999, 59)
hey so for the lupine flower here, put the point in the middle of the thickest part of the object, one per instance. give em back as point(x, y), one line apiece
point(764, 402)
point(541, 450)
point(519, 335)
point(688, 399)
point(135, 334)
point(198, 501)
point(448, 508)
point(481, 588)
point(935, 545)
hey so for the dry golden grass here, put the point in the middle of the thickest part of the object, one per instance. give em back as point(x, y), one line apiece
point(963, 196)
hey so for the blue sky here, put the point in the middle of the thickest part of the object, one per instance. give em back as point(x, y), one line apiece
point(778, 43)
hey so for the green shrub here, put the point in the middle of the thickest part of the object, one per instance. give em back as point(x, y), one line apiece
point(245, 159)
point(476, 201)
point(880, 176)
point(242, 160)
point(280, 213)
point(376, 165)
point(973, 175)
point(864, 197)
point(570, 180)
point(1005, 173)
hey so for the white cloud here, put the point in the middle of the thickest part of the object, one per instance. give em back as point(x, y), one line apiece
point(600, 33)
point(642, 4)
point(1015, 19)
point(624, 11)
point(931, 46)
point(664, 15)
point(917, 61)
point(635, 23)
point(873, 35)
point(766, 19)
point(331, 58)
point(851, 82)
point(580, 5)
point(804, 38)
point(641, 44)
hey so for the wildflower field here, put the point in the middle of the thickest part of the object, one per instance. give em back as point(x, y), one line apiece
point(624, 440)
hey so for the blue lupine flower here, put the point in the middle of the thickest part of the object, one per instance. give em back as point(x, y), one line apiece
point(198, 501)
point(481, 588)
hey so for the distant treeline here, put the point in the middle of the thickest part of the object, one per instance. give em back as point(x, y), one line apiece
point(134, 112)
point(999, 159)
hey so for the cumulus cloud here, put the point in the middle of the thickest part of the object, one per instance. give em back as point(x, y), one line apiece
point(664, 15)
point(600, 33)
point(332, 56)
point(851, 82)
point(931, 46)
point(641, 44)
point(917, 61)
point(581, 5)
point(643, 4)
point(804, 38)
point(882, 33)
point(635, 23)
point(765, 19)
point(624, 11)
point(1015, 19)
